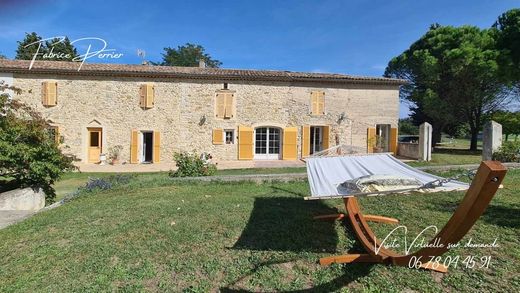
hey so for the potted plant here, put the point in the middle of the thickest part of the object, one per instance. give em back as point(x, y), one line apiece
point(379, 144)
point(114, 154)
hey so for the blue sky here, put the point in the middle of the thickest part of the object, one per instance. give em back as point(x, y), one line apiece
point(352, 37)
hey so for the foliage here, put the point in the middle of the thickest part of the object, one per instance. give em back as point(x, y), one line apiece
point(2, 56)
point(29, 156)
point(452, 66)
point(109, 182)
point(188, 55)
point(191, 165)
point(508, 152)
point(510, 122)
point(57, 49)
point(406, 126)
point(507, 29)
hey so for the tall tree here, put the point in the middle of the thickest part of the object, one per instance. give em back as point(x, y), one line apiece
point(507, 29)
point(188, 55)
point(453, 77)
point(510, 122)
point(61, 49)
point(29, 46)
point(56, 49)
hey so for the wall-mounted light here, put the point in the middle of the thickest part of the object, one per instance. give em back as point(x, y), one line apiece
point(202, 120)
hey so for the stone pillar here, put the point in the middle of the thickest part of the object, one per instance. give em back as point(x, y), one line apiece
point(425, 141)
point(491, 139)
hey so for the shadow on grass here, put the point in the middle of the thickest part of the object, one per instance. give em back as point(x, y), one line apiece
point(351, 273)
point(502, 215)
point(442, 150)
point(286, 224)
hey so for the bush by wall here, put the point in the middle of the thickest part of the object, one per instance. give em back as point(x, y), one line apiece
point(508, 152)
point(191, 165)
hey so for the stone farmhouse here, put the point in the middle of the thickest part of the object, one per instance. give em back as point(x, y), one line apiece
point(151, 112)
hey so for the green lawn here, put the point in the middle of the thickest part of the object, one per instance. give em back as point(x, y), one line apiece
point(158, 235)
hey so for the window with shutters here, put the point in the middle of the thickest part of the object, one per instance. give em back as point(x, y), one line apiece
point(147, 96)
point(317, 103)
point(225, 105)
point(49, 93)
point(229, 136)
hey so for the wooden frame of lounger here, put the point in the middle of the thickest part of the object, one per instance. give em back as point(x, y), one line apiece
point(483, 187)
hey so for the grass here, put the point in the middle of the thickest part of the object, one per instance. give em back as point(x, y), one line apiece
point(157, 235)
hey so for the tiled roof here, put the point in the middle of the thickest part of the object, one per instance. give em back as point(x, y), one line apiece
point(104, 69)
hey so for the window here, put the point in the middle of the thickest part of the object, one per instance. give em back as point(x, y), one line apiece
point(317, 103)
point(225, 104)
point(54, 133)
point(49, 93)
point(147, 96)
point(229, 136)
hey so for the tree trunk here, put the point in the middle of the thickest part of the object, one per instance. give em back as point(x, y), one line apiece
point(507, 136)
point(474, 140)
point(436, 133)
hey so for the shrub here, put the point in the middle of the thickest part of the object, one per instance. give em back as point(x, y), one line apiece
point(109, 182)
point(508, 152)
point(191, 165)
point(29, 156)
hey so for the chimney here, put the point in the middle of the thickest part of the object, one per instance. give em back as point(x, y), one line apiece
point(202, 63)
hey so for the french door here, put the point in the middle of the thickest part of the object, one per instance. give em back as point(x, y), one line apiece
point(267, 143)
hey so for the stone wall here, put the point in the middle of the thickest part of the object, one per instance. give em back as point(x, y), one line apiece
point(112, 103)
point(408, 150)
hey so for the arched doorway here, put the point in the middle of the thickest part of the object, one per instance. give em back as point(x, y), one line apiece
point(268, 142)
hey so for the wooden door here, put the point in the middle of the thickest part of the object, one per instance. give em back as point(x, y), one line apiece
point(94, 144)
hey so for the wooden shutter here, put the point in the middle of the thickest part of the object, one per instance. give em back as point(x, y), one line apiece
point(133, 147)
point(49, 93)
point(290, 145)
point(220, 105)
point(321, 103)
point(150, 96)
point(156, 157)
point(142, 96)
point(228, 105)
point(393, 140)
point(306, 143)
point(314, 103)
point(326, 137)
point(245, 143)
point(218, 136)
point(371, 139)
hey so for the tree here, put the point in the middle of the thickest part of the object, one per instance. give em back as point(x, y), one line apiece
point(453, 77)
point(30, 157)
point(510, 122)
point(56, 49)
point(29, 46)
point(406, 126)
point(507, 29)
point(2, 56)
point(188, 55)
point(60, 49)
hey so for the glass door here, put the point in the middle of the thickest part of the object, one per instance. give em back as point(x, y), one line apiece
point(267, 143)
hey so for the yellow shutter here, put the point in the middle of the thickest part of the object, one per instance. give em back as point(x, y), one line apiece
point(393, 140)
point(218, 136)
point(133, 147)
point(49, 93)
point(371, 139)
point(245, 143)
point(58, 136)
point(306, 144)
point(53, 92)
point(326, 137)
point(220, 105)
point(150, 96)
point(321, 103)
point(156, 147)
point(142, 96)
point(290, 145)
point(314, 103)
point(228, 102)
point(45, 99)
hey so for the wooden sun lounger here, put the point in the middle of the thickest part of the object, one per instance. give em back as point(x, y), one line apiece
point(483, 187)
